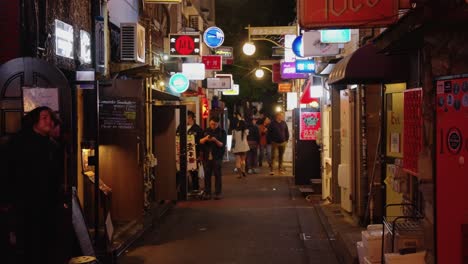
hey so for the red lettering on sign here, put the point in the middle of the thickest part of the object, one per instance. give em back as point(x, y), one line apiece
point(184, 45)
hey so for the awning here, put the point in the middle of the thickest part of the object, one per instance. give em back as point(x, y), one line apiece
point(366, 65)
point(163, 96)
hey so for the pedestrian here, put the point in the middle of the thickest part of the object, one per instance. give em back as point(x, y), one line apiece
point(197, 132)
point(279, 136)
point(240, 146)
point(265, 143)
point(235, 119)
point(34, 188)
point(214, 142)
point(253, 139)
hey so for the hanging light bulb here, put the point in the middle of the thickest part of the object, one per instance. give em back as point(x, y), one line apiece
point(248, 48)
point(259, 73)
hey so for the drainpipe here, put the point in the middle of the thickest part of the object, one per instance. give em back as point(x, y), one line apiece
point(383, 148)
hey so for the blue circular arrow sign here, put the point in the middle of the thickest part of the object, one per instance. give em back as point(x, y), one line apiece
point(178, 83)
point(213, 37)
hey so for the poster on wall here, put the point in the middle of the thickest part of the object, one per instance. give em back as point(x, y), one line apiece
point(309, 124)
point(35, 97)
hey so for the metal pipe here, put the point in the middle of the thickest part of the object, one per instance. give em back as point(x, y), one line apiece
point(94, 12)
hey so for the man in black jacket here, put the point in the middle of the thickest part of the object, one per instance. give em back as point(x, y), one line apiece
point(214, 142)
point(34, 192)
point(278, 134)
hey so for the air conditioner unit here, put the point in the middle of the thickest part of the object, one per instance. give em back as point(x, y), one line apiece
point(196, 22)
point(132, 42)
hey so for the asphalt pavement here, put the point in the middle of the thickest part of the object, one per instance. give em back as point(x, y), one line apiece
point(261, 219)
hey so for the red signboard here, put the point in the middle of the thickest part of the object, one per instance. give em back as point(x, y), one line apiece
point(346, 13)
point(276, 76)
point(184, 45)
point(412, 129)
point(213, 62)
point(310, 124)
point(451, 171)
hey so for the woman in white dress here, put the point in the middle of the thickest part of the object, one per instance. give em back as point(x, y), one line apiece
point(240, 146)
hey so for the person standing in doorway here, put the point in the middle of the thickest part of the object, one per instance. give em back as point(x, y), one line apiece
point(279, 136)
point(240, 146)
point(214, 142)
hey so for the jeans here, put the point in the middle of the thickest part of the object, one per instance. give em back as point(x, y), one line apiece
point(264, 152)
point(213, 166)
point(278, 149)
point(252, 157)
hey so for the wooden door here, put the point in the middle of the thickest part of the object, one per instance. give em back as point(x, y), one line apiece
point(164, 137)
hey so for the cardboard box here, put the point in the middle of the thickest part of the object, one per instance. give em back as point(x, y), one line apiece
point(415, 258)
point(360, 251)
point(372, 241)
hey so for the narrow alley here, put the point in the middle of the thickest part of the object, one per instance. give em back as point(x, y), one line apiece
point(261, 219)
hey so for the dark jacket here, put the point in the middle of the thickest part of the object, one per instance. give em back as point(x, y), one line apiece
point(34, 181)
point(254, 134)
point(209, 146)
point(278, 132)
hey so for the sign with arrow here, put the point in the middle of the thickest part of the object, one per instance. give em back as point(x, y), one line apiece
point(184, 45)
point(213, 37)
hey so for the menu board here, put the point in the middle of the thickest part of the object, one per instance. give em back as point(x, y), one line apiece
point(118, 113)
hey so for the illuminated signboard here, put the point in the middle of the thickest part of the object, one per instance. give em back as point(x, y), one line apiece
point(227, 53)
point(284, 87)
point(213, 37)
point(194, 71)
point(233, 91)
point(305, 66)
point(288, 71)
point(85, 47)
point(184, 45)
point(335, 36)
point(178, 83)
point(63, 39)
point(213, 62)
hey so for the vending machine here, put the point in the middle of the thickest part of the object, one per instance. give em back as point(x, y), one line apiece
point(451, 171)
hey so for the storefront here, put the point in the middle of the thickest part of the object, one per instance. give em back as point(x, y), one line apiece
point(433, 130)
point(357, 94)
